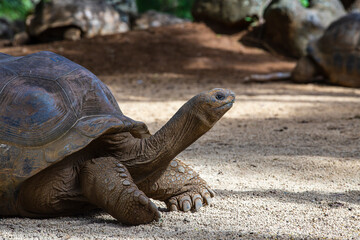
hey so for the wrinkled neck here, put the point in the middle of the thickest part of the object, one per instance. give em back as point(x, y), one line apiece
point(177, 134)
point(185, 127)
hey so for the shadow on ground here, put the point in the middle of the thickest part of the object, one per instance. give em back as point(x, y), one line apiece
point(333, 200)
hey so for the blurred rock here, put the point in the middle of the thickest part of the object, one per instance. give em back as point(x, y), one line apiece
point(289, 26)
point(347, 3)
point(127, 9)
point(228, 13)
point(125, 6)
point(20, 38)
point(73, 19)
point(9, 31)
point(6, 29)
point(354, 6)
point(156, 19)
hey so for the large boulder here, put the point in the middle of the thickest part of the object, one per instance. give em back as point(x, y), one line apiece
point(12, 32)
point(354, 6)
point(70, 19)
point(127, 8)
point(347, 3)
point(289, 26)
point(6, 29)
point(228, 13)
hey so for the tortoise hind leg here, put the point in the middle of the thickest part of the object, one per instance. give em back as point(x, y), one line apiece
point(179, 186)
point(52, 192)
point(108, 184)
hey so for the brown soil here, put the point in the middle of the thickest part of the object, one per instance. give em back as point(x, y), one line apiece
point(284, 161)
point(190, 49)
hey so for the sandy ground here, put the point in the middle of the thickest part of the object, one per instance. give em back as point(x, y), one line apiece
point(284, 161)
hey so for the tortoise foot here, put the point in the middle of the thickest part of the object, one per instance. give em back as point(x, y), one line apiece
point(191, 200)
point(139, 208)
point(180, 187)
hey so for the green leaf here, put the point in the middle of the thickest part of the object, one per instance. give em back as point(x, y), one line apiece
point(179, 8)
point(248, 19)
point(305, 3)
point(15, 9)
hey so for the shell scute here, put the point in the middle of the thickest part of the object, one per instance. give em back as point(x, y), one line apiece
point(33, 112)
point(42, 65)
point(65, 145)
point(28, 164)
point(88, 96)
point(8, 155)
point(93, 127)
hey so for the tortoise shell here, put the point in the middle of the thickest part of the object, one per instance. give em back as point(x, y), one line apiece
point(91, 17)
point(50, 107)
point(337, 51)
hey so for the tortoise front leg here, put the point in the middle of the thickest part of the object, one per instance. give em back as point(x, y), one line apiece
point(179, 186)
point(108, 184)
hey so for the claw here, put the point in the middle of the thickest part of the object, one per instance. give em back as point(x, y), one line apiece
point(173, 204)
point(212, 193)
point(197, 201)
point(207, 194)
point(196, 196)
point(186, 206)
point(207, 199)
point(198, 204)
point(185, 203)
point(154, 208)
point(173, 207)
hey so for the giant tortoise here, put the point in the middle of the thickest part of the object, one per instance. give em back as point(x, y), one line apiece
point(333, 58)
point(289, 26)
point(72, 20)
point(66, 147)
point(335, 55)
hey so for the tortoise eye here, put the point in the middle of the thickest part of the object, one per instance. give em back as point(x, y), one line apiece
point(220, 96)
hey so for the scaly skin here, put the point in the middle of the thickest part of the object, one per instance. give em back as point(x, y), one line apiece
point(74, 185)
point(179, 186)
point(114, 190)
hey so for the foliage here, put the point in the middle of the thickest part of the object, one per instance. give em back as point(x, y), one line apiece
point(15, 9)
point(180, 8)
point(19, 9)
point(305, 3)
point(249, 19)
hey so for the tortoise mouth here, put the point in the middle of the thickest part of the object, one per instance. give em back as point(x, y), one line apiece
point(226, 105)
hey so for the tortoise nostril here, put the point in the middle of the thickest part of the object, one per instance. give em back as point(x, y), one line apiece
point(220, 96)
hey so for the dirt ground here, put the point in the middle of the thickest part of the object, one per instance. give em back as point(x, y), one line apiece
point(284, 161)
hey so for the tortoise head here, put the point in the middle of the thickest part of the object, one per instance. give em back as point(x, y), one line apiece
point(210, 106)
